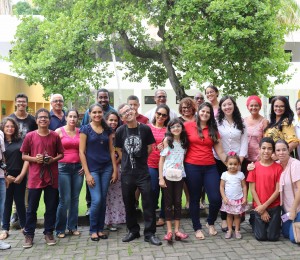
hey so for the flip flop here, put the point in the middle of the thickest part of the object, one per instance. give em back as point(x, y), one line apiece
point(4, 235)
point(211, 229)
point(199, 234)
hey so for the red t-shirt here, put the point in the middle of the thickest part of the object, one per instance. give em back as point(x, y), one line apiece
point(34, 144)
point(154, 156)
point(142, 119)
point(265, 178)
point(200, 149)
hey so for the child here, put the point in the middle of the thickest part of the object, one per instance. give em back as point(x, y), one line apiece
point(264, 186)
point(171, 158)
point(115, 209)
point(234, 194)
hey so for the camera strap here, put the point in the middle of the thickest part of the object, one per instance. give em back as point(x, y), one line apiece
point(42, 172)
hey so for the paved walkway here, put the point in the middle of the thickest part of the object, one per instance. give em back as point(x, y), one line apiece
point(113, 248)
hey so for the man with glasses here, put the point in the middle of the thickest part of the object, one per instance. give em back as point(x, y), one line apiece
point(160, 97)
point(57, 114)
point(43, 149)
point(133, 142)
point(199, 98)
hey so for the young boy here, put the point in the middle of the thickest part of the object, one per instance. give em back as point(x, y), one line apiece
point(134, 103)
point(264, 186)
point(42, 148)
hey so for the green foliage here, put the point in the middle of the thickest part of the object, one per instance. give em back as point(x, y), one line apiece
point(24, 8)
point(231, 43)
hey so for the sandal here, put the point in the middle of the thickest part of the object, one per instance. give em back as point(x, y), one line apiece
point(61, 235)
point(211, 229)
point(180, 236)
point(160, 222)
point(74, 233)
point(228, 235)
point(4, 235)
point(199, 234)
point(238, 235)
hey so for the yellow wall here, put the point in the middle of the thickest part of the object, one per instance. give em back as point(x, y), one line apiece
point(10, 86)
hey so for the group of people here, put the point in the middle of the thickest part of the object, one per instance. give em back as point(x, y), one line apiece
point(209, 150)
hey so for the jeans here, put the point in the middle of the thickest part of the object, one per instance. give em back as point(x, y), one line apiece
point(98, 195)
point(15, 192)
point(69, 187)
point(2, 196)
point(198, 176)
point(129, 184)
point(268, 231)
point(51, 202)
point(154, 174)
point(287, 229)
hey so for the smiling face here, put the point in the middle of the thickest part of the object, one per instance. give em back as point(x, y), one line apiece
point(112, 121)
point(103, 99)
point(160, 97)
point(204, 114)
point(161, 115)
point(57, 102)
point(43, 120)
point(96, 114)
point(227, 107)
point(127, 114)
point(282, 152)
point(254, 107)
point(72, 118)
point(21, 104)
point(176, 129)
point(199, 99)
point(9, 129)
point(266, 151)
point(211, 94)
point(186, 110)
point(279, 108)
point(232, 165)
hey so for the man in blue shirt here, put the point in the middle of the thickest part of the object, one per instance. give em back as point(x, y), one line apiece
point(57, 115)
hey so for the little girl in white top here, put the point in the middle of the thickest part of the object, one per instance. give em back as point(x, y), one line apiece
point(234, 194)
point(171, 172)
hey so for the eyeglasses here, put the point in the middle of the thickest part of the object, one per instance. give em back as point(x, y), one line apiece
point(43, 117)
point(280, 107)
point(162, 115)
point(210, 92)
point(58, 101)
point(126, 112)
point(21, 102)
point(197, 98)
point(175, 127)
point(162, 97)
point(186, 107)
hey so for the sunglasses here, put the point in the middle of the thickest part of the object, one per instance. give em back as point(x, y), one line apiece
point(163, 97)
point(162, 115)
point(201, 98)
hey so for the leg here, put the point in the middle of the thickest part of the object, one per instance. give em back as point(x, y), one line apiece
point(128, 185)
point(168, 199)
point(237, 223)
point(291, 233)
point(51, 202)
point(3, 245)
point(154, 186)
point(229, 221)
point(76, 185)
point(34, 196)
point(8, 201)
point(273, 230)
point(194, 182)
point(95, 203)
point(19, 195)
point(187, 194)
point(177, 194)
point(87, 199)
point(260, 228)
point(64, 188)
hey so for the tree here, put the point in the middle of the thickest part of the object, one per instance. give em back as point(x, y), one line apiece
point(230, 43)
point(24, 8)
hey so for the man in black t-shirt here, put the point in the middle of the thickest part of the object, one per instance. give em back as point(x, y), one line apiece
point(133, 142)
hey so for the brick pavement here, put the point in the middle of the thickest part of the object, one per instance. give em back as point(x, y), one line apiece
point(113, 248)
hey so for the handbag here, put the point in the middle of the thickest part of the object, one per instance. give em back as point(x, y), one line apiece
point(173, 174)
point(295, 225)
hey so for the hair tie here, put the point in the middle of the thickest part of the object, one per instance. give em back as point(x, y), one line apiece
point(231, 153)
point(256, 98)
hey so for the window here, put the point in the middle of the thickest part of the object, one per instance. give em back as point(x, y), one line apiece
point(149, 100)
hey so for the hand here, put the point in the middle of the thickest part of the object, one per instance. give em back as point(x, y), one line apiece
point(274, 157)
point(162, 183)
point(244, 201)
point(90, 180)
point(226, 201)
point(292, 214)
point(39, 158)
point(114, 177)
point(50, 160)
point(160, 146)
point(10, 179)
point(265, 217)
point(81, 172)
point(260, 209)
point(251, 166)
point(6, 183)
point(19, 179)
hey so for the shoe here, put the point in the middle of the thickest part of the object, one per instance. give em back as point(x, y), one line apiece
point(4, 235)
point(238, 235)
point(224, 229)
point(160, 222)
point(50, 241)
point(95, 238)
point(130, 236)
point(228, 235)
point(74, 233)
point(4, 246)
point(168, 236)
point(180, 236)
point(113, 228)
point(211, 229)
point(87, 213)
point(153, 240)
point(199, 234)
point(102, 236)
point(28, 242)
point(61, 235)
point(14, 218)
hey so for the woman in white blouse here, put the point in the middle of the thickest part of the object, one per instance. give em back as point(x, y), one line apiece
point(233, 136)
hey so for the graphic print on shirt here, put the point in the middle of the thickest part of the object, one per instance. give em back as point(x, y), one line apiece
point(133, 145)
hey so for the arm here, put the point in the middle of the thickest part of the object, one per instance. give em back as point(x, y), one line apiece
point(162, 182)
point(296, 202)
point(119, 152)
point(114, 176)
point(149, 148)
point(222, 191)
point(245, 192)
point(220, 152)
point(290, 137)
point(82, 151)
point(58, 131)
point(23, 173)
point(244, 145)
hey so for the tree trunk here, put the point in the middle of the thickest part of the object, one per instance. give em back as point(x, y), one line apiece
point(5, 7)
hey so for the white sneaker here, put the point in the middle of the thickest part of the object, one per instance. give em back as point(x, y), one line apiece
point(4, 246)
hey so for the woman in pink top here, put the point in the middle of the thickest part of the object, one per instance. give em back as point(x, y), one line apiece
point(158, 128)
point(70, 177)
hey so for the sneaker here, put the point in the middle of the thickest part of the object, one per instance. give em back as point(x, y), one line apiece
point(4, 246)
point(28, 242)
point(87, 213)
point(50, 241)
point(14, 218)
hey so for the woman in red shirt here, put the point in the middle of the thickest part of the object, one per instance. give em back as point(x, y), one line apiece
point(200, 166)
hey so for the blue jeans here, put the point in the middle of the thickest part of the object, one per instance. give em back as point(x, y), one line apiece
point(98, 197)
point(51, 202)
point(69, 187)
point(2, 196)
point(154, 174)
point(198, 176)
point(287, 229)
